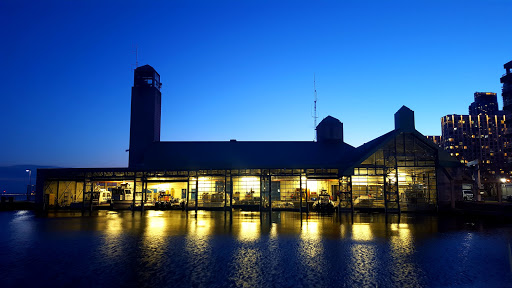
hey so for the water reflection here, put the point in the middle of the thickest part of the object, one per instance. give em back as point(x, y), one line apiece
point(249, 230)
point(311, 251)
point(112, 246)
point(197, 247)
point(361, 232)
point(403, 269)
point(247, 249)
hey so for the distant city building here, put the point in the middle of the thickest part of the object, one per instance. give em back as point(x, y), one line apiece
point(506, 91)
point(482, 135)
point(436, 139)
point(477, 137)
point(485, 103)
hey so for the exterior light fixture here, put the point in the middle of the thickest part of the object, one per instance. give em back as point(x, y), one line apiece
point(29, 188)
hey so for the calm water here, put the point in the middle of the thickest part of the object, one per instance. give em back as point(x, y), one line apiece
point(246, 249)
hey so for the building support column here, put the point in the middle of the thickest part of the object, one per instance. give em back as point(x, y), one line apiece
point(225, 190)
point(134, 191)
point(261, 192)
point(307, 203)
point(92, 192)
point(230, 190)
point(300, 193)
point(143, 194)
point(57, 194)
point(197, 190)
point(338, 195)
point(83, 196)
point(270, 191)
point(188, 193)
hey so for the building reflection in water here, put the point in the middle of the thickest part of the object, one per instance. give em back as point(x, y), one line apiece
point(166, 233)
point(311, 251)
point(198, 248)
point(249, 227)
point(363, 256)
point(403, 269)
point(112, 247)
point(361, 232)
point(154, 241)
point(246, 270)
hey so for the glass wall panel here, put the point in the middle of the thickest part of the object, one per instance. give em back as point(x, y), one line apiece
point(211, 191)
point(315, 187)
point(192, 195)
point(246, 190)
point(285, 192)
point(368, 191)
point(345, 194)
point(166, 195)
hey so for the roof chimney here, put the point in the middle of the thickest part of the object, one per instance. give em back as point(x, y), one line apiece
point(404, 119)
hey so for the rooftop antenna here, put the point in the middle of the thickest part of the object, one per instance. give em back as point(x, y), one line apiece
point(315, 115)
point(136, 56)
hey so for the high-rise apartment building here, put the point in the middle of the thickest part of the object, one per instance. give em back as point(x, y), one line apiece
point(478, 137)
point(482, 135)
point(506, 92)
point(485, 103)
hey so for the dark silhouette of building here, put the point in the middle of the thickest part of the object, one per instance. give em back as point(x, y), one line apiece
point(330, 129)
point(485, 103)
point(506, 92)
point(398, 171)
point(145, 113)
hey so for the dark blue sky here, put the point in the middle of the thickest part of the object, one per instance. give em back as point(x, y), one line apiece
point(237, 69)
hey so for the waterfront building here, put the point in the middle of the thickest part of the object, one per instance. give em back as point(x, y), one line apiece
point(398, 171)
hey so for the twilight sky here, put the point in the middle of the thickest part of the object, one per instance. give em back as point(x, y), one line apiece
point(237, 69)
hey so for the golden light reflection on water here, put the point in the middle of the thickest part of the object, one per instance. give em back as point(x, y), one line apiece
point(247, 261)
point(249, 231)
point(362, 232)
point(198, 248)
point(364, 262)
point(311, 248)
point(249, 227)
point(112, 242)
point(154, 244)
point(403, 268)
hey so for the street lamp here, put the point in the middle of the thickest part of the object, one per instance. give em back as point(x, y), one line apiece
point(29, 188)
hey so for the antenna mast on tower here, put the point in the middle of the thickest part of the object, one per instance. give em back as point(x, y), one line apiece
point(136, 56)
point(314, 116)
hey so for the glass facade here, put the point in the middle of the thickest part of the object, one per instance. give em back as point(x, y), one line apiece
point(400, 175)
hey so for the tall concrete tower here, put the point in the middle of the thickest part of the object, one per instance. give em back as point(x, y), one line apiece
point(145, 114)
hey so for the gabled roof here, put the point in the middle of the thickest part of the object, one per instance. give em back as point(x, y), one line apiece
point(247, 155)
point(367, 149)
point(329, 120)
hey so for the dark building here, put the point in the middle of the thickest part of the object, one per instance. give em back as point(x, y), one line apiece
point(398, 171)
point(145, 114)
point(436, 139)
point(485, 103)
point(506, 91)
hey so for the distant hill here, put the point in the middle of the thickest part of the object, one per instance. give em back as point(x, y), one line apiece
point(14, 179)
